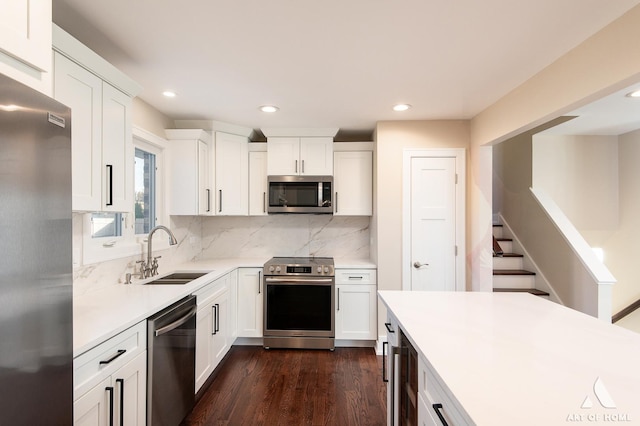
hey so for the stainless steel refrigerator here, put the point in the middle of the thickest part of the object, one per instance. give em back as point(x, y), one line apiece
point(36, 335)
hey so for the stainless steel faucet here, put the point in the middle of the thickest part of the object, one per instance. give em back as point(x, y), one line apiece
point(151, 266)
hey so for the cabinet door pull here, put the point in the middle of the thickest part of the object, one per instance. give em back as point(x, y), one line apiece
point(259, 282)
point(389, 329)
point(437, 408)
point(296, 166)
point(208, 200)
point(354, 277)
point(302, 166)
point(113, 357)
point(214, 313)
point(384, 362)
point(336, 201)
point(109, 390)
point(338, 299)
point(264, 202)
point(220, 208)
point(110, 183)
point(121, 382)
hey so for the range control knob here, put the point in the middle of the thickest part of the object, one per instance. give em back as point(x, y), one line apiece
point(319, 269)
point(271, 268)
point(326, 269)
point(278, 269)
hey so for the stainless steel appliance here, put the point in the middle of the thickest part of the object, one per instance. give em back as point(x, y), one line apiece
point(171, 355)
point(300, 194)
point(299, 303)
point(36, 334)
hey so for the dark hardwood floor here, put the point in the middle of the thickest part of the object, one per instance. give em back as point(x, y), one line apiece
point(294, 387)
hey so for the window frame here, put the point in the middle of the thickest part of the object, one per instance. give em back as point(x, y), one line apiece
point(97, 250)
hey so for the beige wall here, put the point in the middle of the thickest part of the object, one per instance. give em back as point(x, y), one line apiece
point(622, 250)
point(150, 119)
point(604, 63)
point(580, 173)
point(391, 139)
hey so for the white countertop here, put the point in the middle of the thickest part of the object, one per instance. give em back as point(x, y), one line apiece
point(516, 359)
point(103, 313)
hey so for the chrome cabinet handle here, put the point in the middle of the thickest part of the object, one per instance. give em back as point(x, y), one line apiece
point(419, 265)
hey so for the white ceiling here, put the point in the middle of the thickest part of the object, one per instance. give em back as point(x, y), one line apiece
point(331, 63)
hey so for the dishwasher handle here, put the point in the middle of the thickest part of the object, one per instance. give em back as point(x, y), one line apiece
point(177, 323)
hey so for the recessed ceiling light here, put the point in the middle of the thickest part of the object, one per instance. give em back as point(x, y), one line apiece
point(269, 108)
point(635, 94)
point(169, 94)
point(401, 107)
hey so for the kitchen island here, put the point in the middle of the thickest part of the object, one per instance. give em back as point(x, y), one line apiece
point(514, 359)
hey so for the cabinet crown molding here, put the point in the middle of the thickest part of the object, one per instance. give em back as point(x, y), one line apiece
point(300, 132)
point(188, 134)
point(72, 48)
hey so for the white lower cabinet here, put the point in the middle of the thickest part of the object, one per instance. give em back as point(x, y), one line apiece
point(110, 381)
point(214, 330)
point(438, 406)
point(356, 304)
point(250, 302)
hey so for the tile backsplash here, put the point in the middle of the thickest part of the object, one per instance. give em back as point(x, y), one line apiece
point(234, 237)
point(285, 235)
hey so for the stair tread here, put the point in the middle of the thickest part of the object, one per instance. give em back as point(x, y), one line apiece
point(512, 272)
point(533, 291)
point(509, 255)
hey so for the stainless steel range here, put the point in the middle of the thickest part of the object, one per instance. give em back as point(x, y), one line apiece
point(299, 303)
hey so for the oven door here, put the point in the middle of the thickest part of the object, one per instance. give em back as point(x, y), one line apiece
point(299, 307)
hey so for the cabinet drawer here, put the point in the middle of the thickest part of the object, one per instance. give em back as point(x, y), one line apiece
point(433, 392)
point(94, 365)
point(355, 276)
point(204, 294)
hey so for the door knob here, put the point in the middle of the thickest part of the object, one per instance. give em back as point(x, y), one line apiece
point(419, 265)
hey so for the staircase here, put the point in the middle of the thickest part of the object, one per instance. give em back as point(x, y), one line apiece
point(508, 272)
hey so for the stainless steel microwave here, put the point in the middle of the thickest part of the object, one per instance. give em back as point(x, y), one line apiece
point(300, 194)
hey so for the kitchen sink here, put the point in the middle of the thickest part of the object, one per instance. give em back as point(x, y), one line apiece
point(177, 278)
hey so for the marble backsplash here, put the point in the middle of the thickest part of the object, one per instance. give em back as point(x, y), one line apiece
point(187, 229)
point(286, 235)
point(232, 237)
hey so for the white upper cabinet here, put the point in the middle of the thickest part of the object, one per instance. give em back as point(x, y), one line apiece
point(231, 174)
point(300, 156)
point(101, 125)
point(353, 183)
point(101, 134)
point(25, 42)
point(258, 183)
point(189, 174)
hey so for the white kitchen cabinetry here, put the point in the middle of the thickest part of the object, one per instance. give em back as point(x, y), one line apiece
point(353, 183)
point(214, 326)
point(101, 125)
point(110, 380)
point(258, 183)
point(300, 156)
point(356, 304)
point(437, 404)
point(231, 174)
point(189, 183)
point(250, 302)
point(25, 42)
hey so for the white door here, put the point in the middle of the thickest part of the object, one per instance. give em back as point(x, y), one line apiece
point(433, 224)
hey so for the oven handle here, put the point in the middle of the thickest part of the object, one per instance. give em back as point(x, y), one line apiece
point(319, 281)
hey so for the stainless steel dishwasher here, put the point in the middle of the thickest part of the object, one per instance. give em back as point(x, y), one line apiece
point(171, 355)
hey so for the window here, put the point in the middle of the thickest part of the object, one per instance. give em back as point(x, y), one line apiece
point(145, 191)
point(113, 235)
